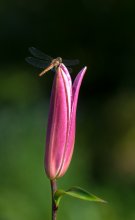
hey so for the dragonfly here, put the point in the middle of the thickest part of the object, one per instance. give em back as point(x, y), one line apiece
point(46, 62)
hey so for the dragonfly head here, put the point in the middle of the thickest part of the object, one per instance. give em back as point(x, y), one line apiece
point(59, 59)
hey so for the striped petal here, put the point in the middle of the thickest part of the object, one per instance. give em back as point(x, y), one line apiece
point(72, 124)
point(57, 123)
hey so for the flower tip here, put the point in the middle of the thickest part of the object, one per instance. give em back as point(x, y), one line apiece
point(85, 68)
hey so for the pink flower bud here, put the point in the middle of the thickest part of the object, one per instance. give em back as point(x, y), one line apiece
point(62, 122)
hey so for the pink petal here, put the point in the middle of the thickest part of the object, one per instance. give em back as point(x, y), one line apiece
point(68, 85)
point(72, 125)
point(57, 123)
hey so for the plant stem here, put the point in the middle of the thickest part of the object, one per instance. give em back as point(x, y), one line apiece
point(54, 207)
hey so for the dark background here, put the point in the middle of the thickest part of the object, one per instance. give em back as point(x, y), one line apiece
point(101, 34)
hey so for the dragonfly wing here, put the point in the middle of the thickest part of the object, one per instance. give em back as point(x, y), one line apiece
point(70, 62)
point(39, 54)
point(37, 63)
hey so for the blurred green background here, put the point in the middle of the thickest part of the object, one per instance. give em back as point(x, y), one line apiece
point(101, 34)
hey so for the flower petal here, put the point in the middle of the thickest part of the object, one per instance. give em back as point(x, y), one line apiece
point(68, 85)
point(72, 124)
point(57, 123)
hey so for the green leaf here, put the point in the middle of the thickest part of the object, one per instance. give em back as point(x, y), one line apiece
point(78, 193)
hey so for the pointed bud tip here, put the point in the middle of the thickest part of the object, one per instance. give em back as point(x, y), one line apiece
point(85, 68)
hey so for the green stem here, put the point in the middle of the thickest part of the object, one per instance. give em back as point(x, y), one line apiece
point(54, 207)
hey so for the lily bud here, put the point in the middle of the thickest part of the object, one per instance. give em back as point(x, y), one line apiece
point(61, 128)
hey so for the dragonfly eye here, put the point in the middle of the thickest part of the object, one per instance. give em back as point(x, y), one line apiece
point(60, 59)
